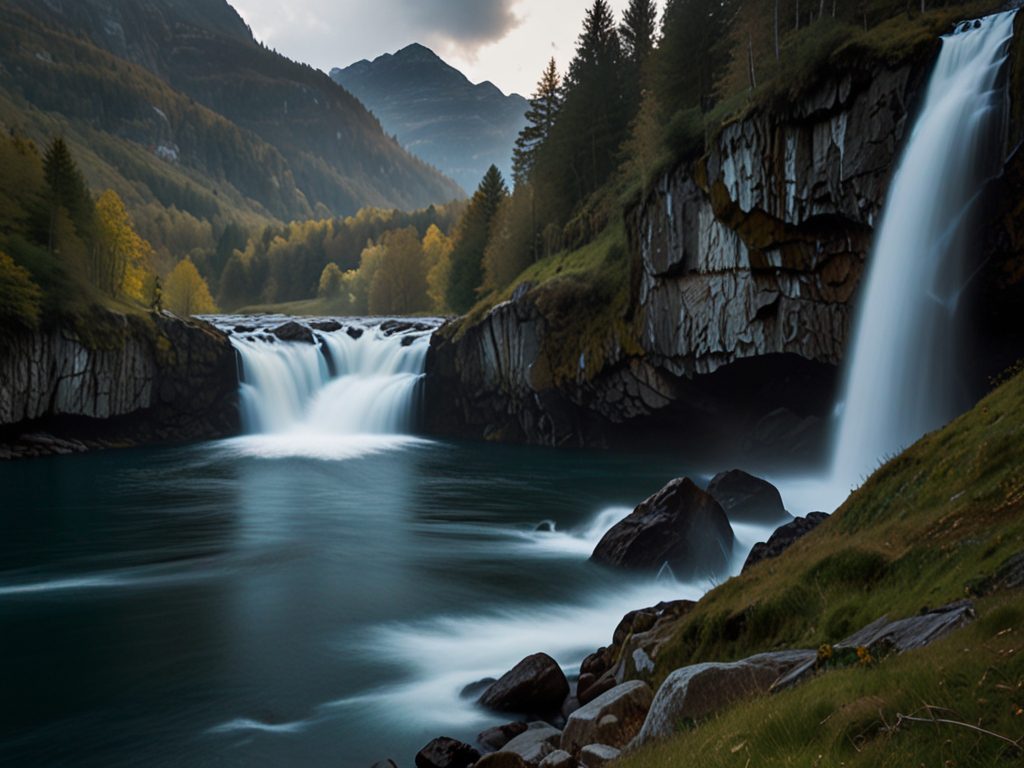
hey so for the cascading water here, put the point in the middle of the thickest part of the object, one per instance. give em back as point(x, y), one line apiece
point(902, 370)
point(356, 381)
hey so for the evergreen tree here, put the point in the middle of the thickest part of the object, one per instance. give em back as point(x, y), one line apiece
point(471, 241)
point(541, 117)
point(694, 52)
point(65, 189)
point(638, 29)
point(20, 298)
point(582, 151)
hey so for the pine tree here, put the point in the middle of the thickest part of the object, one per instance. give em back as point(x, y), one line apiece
point(594, 119)
point(65, 189)
point(541, 117)
point(638, 30)
point(471, 241)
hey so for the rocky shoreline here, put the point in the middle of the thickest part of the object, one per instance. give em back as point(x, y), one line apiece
point(613, 705)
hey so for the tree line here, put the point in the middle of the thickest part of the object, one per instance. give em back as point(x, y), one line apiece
point(63, 249)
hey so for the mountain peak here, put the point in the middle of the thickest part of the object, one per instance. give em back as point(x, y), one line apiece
point(417, 52)
point(436, 111)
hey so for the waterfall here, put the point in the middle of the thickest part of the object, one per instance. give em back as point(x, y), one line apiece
point(901, 379)
point(360, 380)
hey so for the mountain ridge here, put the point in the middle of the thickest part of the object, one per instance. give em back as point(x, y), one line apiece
point(437, 112)
point(331, 149)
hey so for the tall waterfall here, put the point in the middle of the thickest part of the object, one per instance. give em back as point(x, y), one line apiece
point(360, 380)
point(902, 370)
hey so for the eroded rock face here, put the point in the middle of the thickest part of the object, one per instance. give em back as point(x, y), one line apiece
point(751, 256)
point(681, 526)
point(141, 379)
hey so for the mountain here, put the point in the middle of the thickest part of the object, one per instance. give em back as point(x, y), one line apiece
point(174, 100)
point(437, 113)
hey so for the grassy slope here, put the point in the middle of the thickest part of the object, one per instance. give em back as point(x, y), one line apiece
point(923, 531)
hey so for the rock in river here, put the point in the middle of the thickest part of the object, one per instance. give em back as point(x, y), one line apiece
point(536, 685)
point(293, 331)
point(747, 499)
point(681, 525)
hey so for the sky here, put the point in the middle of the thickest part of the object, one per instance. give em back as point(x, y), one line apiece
point(505, 41)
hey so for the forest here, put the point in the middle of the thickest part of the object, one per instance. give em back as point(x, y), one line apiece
point(642, 94)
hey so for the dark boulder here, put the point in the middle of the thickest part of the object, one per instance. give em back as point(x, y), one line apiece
point(293, 331)
point(244, 329)
point(475, 689)
point(326, 326)
point(444, 752)
point(497, 737)
point(681, 525)
point(385, 764)
point(355, 333)
point(502, 760)
point(783, 538)
point(747, 499)
point(536, 685)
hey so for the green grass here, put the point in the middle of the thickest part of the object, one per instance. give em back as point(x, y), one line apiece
point(583, 298)
point(923, 531)
point(850, 717)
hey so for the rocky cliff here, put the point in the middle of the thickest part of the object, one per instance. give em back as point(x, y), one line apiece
point(116, 380)
point(745, 268)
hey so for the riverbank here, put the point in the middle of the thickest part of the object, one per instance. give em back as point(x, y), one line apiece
point(939, 523)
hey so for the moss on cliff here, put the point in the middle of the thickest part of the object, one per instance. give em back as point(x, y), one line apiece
point(583, 297)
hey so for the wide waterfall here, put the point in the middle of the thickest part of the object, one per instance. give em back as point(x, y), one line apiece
point(359, 379)
point(902, 369)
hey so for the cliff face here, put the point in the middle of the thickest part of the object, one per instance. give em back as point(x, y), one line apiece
point(745, 266)
point(132, 380)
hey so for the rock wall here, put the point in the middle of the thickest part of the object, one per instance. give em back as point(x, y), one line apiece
point(127, 380)
point(759, 249)
point(745, 266)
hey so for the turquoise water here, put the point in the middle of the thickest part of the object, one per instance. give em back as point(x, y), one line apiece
point(232, 604)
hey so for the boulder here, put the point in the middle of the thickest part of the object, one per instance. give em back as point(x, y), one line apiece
point(700, 691)
point(536, 685)
point(326, 326)
point(681, 526)
point(497, 737)
point(355, 333)
point(558, 759)
point(444, 752)
point(475, 689)
point(595, 687)
point(536, 743)
point(501, 760)
point(293, 331)
point(783, 538)
point(597, 755)
point(613, 718)
point(747, 499)
point(385, 764)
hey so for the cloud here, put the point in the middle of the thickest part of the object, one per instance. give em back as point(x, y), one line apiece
point(463, 24)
